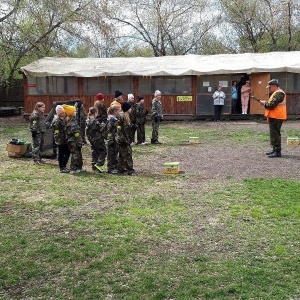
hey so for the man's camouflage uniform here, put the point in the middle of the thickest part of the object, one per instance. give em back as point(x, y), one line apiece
point(123, 138)
point(141, 114)
point(102, 112)
point(112, 145)
point(38, 128)
point(156, 117)
point(95, 132)
point(60, 138)
point(275, 124)
point(75, 143)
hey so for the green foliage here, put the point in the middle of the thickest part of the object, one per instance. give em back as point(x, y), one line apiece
point(147, 237)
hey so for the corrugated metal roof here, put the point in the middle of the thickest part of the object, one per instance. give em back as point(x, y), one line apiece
point(166, 65)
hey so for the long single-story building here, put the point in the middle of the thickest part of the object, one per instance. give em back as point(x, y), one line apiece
point(186, 82)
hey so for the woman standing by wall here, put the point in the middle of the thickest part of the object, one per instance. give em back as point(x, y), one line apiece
point(219, 97)
point(245, 94)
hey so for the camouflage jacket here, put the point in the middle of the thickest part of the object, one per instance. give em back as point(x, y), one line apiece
point(133, 113)
point(37, 122)
point(156, 109)
point(102, 112)
point(141, 114)
point(95, 129)
point(59, 130)
point(73, 131)
point(124, 131)
point(111, 128)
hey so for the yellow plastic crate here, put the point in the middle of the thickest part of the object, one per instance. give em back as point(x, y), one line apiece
point(293, 141)
point(194, 140)
point(171, 168)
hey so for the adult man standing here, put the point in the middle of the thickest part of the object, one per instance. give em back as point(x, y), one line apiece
point(276, 113)
point(156, 116)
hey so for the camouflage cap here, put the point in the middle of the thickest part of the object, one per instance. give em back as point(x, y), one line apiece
point(272, 82)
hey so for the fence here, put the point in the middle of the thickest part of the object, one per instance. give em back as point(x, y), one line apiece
point(11, 94)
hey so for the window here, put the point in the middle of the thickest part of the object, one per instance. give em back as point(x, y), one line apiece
point(123, 84)
point(107, 85)
point(289, 82)
point(93, 86)
point(167, 85)
point(52, 86)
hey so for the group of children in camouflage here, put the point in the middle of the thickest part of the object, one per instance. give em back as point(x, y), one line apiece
point(111, 133)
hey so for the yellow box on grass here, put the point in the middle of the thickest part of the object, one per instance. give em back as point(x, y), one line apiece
point(171, 168)
point(293, 141)
point(194, 140)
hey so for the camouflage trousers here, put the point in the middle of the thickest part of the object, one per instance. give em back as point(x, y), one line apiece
point(112, 155)
point(275, 134)
point(133, 130)
point(37, 146)
point(141, 136)
point(125, 158)
point(99, 152)
point(76, 156)
point(155, 128)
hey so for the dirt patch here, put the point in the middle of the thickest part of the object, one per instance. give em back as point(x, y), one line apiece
point(219, 159)
point(223, 160)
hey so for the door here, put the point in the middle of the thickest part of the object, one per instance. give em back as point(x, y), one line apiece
point(258, 84)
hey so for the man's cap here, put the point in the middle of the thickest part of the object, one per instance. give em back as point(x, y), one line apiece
point(272, 82)
point(140, 98)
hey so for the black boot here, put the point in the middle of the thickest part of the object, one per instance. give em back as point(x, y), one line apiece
point(275, 154)
point(271, 152)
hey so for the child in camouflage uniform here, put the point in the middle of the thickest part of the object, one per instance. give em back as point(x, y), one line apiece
point(95, 132)
point(141, 114)
point(123, 137)
point(38, 129)
point(60, 138)
point(74, 139)
point(83, 124)
point(102, 110)
point(130, 100)
point(156, 116)
point(112, 146)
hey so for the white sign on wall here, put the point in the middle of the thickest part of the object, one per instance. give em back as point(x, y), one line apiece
point(223, 83)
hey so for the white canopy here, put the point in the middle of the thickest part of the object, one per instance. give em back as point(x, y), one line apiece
point(166, 65)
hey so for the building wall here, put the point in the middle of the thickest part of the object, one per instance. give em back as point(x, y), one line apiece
point(183, 95)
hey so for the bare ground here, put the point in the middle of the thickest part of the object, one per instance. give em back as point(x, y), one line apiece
point(235, 160)
point(221, 159)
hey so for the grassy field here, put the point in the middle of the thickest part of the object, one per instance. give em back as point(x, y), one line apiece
point(153, 236)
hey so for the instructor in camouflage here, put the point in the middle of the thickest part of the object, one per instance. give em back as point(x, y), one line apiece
point(276, 113)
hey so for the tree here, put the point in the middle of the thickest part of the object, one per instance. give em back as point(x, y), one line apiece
point(168, 27)
point(31, 29)
point(263, 25)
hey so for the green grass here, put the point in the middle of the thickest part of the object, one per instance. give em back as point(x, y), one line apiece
point(150, 236)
